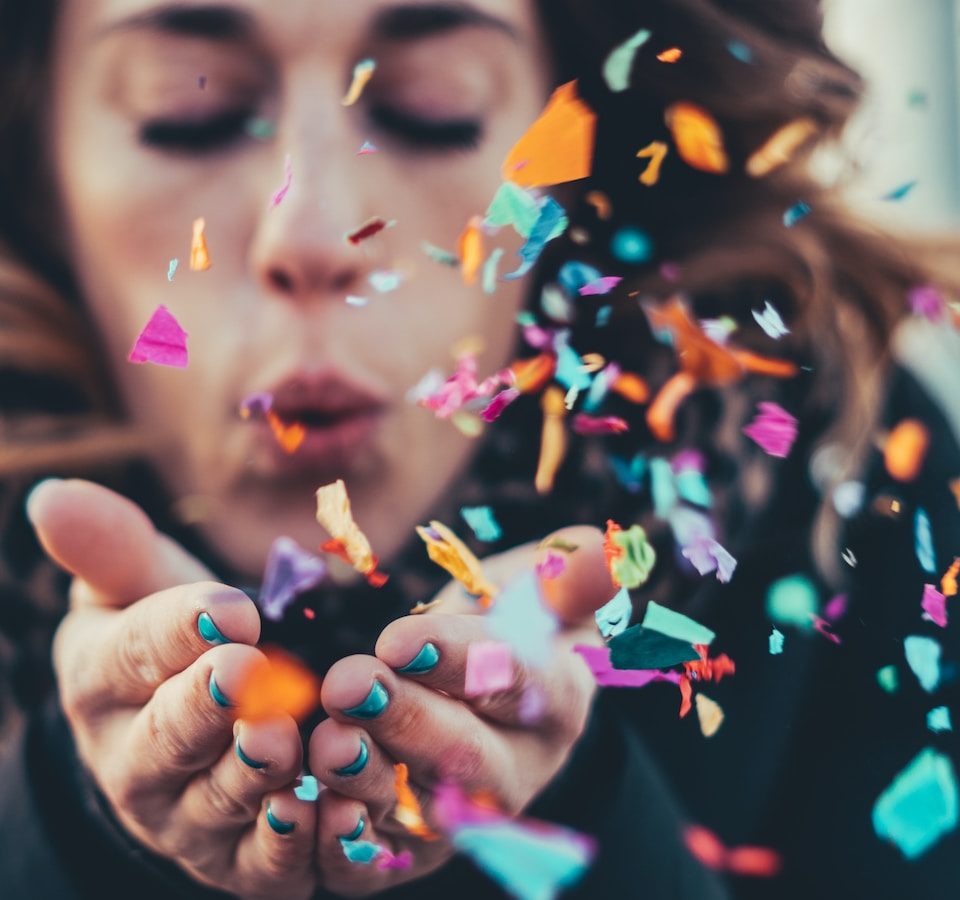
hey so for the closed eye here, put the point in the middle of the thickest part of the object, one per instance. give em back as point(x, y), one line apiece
point(427, 134)
point(200, 136)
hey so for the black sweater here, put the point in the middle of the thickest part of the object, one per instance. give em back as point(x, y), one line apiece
point(809, 742)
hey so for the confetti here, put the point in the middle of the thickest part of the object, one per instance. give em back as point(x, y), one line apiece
point(367, 148)
point(277, 682)
point(308, 790)
point(671, 55)
point(553, 565)
point(656, 152)
point(630, 556)
point(513, 206)
point(888, 679)
point(601, 286)
point(490, 267)
point(598, 661)
point(776, 642)
point(482, 522)
point(771, 322)
point(900, 193)
point(553, 440)
point(362, 73)
point(919, 806)
point(363, 852)
point(948, 584)
point(172, 269)
point(698, 138)
point(439, 255)
point(708, 556)
point(601, 203)
point(454, 557)
point(521, 619)
point(402, 861)
point(923, 657)
point(781, 147)
point(162, 342)
point(709, 714)
point(631, 245)
point(277, 198)
point(289, 435)
point(489, 668)
point(199, 253)
point(757, 862)
point(290, 570)
point(773, 429)
point(356, 300)
point(593, 425)
point(739, 50)
point(462, 387)
point(614, 616)
point(367, 230)
point(792, 601)
point(348, 541)
point(619, 63)
point(384, 282)
point(551, 222)
point(408, 811)
point(923, 537)
point(470, 250)
point(927, 301)
point(558, 147)
point(905, 450)
point(796, 213)
point(938, 720)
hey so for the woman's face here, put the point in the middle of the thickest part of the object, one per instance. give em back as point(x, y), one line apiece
point(150, 130)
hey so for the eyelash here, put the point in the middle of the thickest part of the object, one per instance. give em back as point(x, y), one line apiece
point(209, 135)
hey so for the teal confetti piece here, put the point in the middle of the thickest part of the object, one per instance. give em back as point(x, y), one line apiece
point(614, 616)
point(919, 806)
point(676, 625)
point(900, 193)
point(482, 522)
point(938, 720)
point(513, 206)
point(490, 271)
point(776, 642)
point(603, 316)
point(260, 128)
point(888, 679)
point(619, 64)
point(923, 657)
point(923, 537)
point(692, 487)
point(793, 601)
point(364, 852)
point(551, 222)
point(631, 245)
point(795, 214)
point(643, 648)
point(172, 269)
point(308, 789)
point(439, 255)
point(739, 50)
point(662, 487)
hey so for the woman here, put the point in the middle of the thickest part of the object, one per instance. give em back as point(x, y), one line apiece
point(126, 121)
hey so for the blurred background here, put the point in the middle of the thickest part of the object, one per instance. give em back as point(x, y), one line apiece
point(909, 130)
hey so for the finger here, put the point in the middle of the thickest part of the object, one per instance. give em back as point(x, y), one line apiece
point(344, 819)
point(108, 659)
point(584, 585)
point(434, 650)
point(107, 542)
point(346, 759)
point(185, 727)
point(265, 757)
point(275, 857)
point(437, 736)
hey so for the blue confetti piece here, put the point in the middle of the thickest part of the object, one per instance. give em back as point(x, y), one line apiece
point(308, 789)
point(603, 316)
point(923, 537)
point(482, 522)
point(172, 268)
point(570, 370)
point(923, 657)
point(796, 212)
point(574, 275)
point(739, 50)
point(550, 224)
point(631, 245)
point(938, 720)
point(629, 473)
point(901, 192)
point(776, 642)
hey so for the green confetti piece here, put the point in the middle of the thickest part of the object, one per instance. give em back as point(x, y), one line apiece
point(513, 206)
point(793, 601)
point(490, 271)
point(889, 679)
point(676, 625)
point(635, 564)
point(619, 64)
point(643, 648)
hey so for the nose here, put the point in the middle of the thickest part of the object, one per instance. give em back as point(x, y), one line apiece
point(299, 251)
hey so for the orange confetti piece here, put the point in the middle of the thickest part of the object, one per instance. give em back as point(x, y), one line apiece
point(362, 73)
point(601, 203)
point(672, 55)
point(451, 554)
point(558, 146)
point(289, 437)
point(631, 387)
point(333, 513)
point(408, 811)
point(706, 360)
point(280, 683)
point(765, 365)
point(698, 138)
point(656, 152)
point(955, 489)
point(780, 148)
point(470, 250)
point(663, 410)
point(686, 696)
point(906, 450)
point(199, 254)
point(612, 551)
point(533, 375)
point(553, 439)
point(709, 849)
point(948, 584)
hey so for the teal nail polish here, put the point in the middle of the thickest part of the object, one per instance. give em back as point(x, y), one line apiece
point(357, 766)
point(219, 697)
point(423, 662)
point(277, 825)
point(209, 631)
point(355, 833)
point(247, 760)
point(374, 704)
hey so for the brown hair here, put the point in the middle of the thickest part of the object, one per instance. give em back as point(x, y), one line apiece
point(841, 284)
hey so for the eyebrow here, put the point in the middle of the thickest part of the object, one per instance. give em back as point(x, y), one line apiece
point(213, 22)
point(414, 21)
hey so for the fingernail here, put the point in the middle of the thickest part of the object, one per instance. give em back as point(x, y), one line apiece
point(219, 697)
point(277, 825)
point(247, 760)
point(209, 631)
point(28, 503)
point(355, 833)
point(374, 704)
point(357, 765)
point(423, 662)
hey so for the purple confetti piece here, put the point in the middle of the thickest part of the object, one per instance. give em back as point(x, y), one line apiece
point(934, 606)
point(290, 571)
point(287, 180)
point(598, 661)
point(773, 429)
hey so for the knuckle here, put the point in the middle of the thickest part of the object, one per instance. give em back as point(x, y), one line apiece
point(225, 804)
point(166, 740)
point(138, 657)
point(468, 759)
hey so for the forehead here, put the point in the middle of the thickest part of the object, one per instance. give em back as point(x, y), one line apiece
point(310, 24)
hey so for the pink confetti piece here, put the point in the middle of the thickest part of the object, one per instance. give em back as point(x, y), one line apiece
point(552, 566)
point(287, 180)
point(366, 148)
point(599, 425)
point(825, 628)
point(934, 606)
point(836, 609)
point(773, 429)
point(462, 387)
point(598, 661)
point(491, 412)
point(162, 342)
point(489, 668)
point(533, 705)
point(600, 286)
point(927, 301)
point(399, 862)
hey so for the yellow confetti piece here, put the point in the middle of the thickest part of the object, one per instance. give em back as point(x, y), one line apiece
point(553, 439)
point(601, 203)
point(467, 423)
point(199, 254)
point(408, 811)
point(656, 152)
point(698, 138)
point(709, 713)
point(470, 250)
point(780, 148)
point(452, 555)
point(362, 73)
point(674, 54)
point(558, 146)
point(948, 584)
point(333, 513)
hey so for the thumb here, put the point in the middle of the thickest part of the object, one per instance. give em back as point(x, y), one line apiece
point(584, 585)
point(107, 543)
